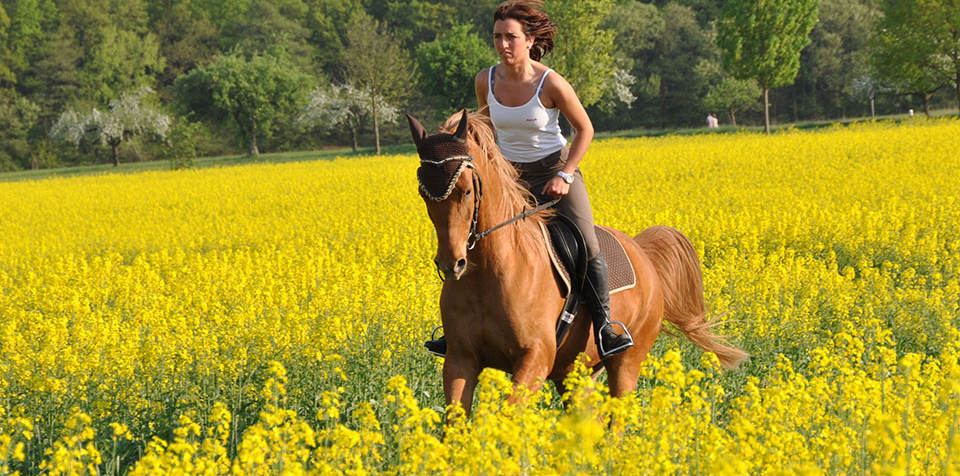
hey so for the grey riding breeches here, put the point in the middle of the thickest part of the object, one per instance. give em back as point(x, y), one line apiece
point(575, 205)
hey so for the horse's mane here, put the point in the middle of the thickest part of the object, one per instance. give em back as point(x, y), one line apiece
point(499, 174)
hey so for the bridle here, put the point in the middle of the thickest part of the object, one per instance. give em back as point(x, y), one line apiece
point(467, 162)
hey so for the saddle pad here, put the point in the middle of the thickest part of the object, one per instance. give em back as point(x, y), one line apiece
point(620, 273)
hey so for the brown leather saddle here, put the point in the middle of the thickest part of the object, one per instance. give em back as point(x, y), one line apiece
point(568, 255)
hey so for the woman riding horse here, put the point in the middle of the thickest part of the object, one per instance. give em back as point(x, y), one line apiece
point(524, 100)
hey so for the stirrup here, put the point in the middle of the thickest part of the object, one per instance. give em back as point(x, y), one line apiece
point(604, 353)
point(436, 346)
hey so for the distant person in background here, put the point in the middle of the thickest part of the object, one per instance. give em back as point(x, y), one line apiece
point(910, 111)
point(712, 121)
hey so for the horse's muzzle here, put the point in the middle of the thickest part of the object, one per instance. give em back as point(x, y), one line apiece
point(454, 271)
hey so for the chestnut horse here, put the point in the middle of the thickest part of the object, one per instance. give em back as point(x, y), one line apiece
point(500, 299)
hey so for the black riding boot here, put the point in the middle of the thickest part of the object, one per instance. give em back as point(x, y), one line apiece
point(437, 347)
point(596, 293)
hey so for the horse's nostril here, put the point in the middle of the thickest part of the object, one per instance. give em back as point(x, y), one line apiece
point(461, 263)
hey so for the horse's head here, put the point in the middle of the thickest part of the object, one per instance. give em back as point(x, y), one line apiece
point(451, 188)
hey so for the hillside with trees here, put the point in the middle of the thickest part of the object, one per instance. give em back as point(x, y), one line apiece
point(229, 76)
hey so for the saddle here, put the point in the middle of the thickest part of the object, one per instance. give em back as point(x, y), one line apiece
point(568, 255)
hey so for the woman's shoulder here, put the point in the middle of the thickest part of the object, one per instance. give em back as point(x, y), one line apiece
point(554, 80)
point(483, 76)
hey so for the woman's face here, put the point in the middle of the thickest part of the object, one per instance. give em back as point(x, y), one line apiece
point(511, 42)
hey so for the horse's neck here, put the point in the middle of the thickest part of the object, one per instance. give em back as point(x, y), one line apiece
point(509, 251)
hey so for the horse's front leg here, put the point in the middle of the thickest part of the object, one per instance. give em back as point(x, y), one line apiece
point(459, 381)
point(530, 371)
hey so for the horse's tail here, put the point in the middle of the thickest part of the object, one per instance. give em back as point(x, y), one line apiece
point(678, 267)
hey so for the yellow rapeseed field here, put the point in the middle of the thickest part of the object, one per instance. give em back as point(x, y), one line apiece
point(268, 319)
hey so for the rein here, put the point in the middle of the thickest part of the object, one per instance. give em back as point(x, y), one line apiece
point(477, 236)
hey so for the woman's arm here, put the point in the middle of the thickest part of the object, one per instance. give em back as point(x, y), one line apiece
point(562, 95)
point(480, 86)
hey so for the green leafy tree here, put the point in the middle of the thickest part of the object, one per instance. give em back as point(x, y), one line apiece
point(918, 46)
point(583, 51)
point(17, 117)
point(943, 18)
point(637, 27)
point(448, 66)
point(123, 60)
point(6, 56)
point(125, 118)
point(905, 54)
point(838, 52)
point(272, 27)
point(376, 64)
point(419, 21)
point(186, 36)
point(762, 40)
point(327, 22)
point(53, 78)
point(726, 93)
point(683, 45)
point(257, 93)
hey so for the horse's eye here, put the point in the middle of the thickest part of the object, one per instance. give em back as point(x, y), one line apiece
point(467, 193)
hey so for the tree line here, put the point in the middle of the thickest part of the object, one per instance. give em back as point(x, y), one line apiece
point(85, 81)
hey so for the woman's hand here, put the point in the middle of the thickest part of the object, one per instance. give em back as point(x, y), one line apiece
point(556, 188)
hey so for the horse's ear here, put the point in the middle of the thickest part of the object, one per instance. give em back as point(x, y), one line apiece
point(419, 133)
point(462, 127)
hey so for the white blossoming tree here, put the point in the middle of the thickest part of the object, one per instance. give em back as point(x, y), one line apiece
point(345, 106)
point(124, 119)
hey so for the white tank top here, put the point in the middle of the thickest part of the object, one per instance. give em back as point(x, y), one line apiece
point(525, 133)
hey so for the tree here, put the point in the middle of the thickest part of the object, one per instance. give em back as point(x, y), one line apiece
point(124, 119)
point(344, 106)
point(905, 52)
point(254, 92)
point(449, 64)
point(17, 117)
point(6, 56)
point(762, 40)
point(122, 61)
point(637, 29)
point(327, 22)
point(837, 54)
point(726, 93)
point(187, 38)
point(683, 45)
point(583, 51)
point(274, 27)
point(377, 65)
point(943, 18)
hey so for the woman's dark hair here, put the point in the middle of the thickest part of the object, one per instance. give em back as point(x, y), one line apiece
point(536, 24)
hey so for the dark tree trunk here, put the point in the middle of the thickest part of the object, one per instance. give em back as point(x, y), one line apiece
point(376, 129)
point(733, 118)
point(353, 131)
point(116, 157)
point(254, 151)
point(926, 104)
point(796, 108)
point(766, 110)
point(958, 88)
